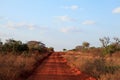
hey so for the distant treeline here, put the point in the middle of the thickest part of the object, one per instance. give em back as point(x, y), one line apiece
point(108, 46)
point(18, 47)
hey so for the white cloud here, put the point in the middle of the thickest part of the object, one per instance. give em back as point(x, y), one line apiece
point(65, 30)
point(69, 29)
point(65, 19)
point(73, 7)
point(116, 10)
point(16, 25)
point(89, 22)
point(22, 25)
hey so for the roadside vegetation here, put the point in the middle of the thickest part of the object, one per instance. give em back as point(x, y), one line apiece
point(18, 60)
point(103, 62)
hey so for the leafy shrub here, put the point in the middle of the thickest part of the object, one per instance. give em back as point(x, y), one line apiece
point(99, 67)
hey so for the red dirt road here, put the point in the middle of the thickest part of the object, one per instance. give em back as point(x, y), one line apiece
point(56, 68)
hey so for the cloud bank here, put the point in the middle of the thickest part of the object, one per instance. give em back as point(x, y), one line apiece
point(116, 10)
point(73, 7)
point(89, 22)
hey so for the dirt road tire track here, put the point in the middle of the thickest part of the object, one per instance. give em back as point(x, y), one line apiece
point(55, 68)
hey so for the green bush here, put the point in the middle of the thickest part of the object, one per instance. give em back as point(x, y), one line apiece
point(99, 67)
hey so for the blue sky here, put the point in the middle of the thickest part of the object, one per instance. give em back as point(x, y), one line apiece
point(60, 23)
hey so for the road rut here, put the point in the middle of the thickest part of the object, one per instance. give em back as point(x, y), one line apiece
point(56, 68)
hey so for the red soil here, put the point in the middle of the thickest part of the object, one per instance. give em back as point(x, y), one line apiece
point(56, 68)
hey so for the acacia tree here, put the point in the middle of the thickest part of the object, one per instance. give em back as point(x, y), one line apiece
point(105, 41)
point(85, 44)
point(51, 49)
point(115, 46)
point(17, 47)
point(117, 40)
point(117, 43)
point(14, 46)
point(110, 47)
point(36, 45)
point(64, 49)
point(78, 48)
point(1, 44)
point(9, 45)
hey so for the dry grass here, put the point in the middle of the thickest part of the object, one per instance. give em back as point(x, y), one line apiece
point(94, 65)
point(13, 67)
